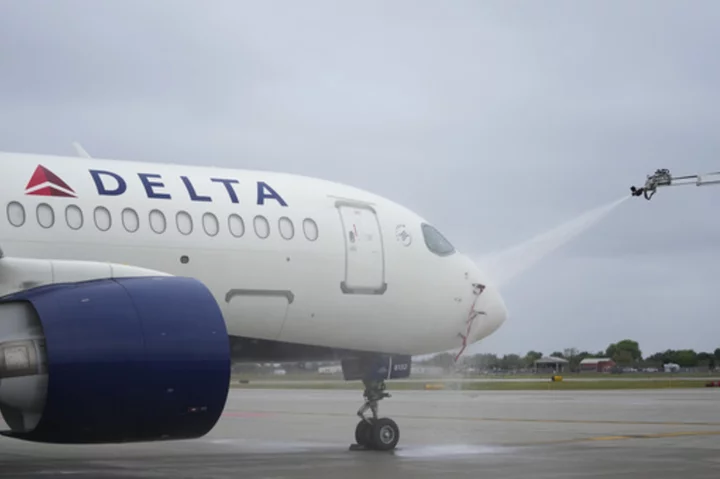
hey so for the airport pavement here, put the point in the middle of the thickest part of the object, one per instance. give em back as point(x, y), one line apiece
point(306, 434)
point(465, 380)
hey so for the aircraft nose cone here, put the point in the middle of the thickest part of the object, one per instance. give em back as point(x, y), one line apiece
point(492, 313)
point(496, 310)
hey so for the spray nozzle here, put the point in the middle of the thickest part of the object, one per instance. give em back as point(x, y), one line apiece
point(661, 177)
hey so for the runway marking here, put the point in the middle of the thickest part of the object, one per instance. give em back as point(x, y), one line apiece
point(246, 414)
point(659, 435)
point(590, 421)
point(497, 419)
point(622, 437)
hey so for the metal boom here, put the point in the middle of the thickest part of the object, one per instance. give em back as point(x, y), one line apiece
point(662, 177)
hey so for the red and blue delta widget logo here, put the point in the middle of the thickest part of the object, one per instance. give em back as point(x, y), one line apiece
point(107, 183)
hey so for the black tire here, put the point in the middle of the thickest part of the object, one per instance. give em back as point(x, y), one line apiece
point(363, 433)
point(385, 434)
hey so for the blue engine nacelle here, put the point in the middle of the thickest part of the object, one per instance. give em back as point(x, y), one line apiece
point(130, 359)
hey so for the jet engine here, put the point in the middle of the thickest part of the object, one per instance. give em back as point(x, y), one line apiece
point(113, 360)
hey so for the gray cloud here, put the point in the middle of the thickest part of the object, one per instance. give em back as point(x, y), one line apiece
point(495, 120)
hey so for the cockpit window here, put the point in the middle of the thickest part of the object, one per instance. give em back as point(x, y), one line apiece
point(436, 242)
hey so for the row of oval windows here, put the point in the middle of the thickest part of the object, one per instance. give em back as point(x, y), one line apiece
point(158, 222)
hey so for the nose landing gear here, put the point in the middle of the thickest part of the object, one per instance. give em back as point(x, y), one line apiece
point(376, 433)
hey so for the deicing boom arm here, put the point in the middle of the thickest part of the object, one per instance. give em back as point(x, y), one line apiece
point(663, 177)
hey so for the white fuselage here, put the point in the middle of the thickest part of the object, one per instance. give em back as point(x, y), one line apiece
point(288, 258)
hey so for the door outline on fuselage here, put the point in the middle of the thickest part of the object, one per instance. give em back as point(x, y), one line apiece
point(287, 295)
point(339, 204)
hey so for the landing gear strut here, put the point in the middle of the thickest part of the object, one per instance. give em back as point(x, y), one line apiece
point(376, 433)
point(380, 434)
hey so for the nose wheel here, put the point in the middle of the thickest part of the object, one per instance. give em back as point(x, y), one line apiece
point(380, 434)
point(375, 433)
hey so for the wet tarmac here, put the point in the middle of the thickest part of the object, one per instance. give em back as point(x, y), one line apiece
point(448, 434)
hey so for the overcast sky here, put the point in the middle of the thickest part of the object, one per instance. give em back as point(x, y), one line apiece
point(495, 120)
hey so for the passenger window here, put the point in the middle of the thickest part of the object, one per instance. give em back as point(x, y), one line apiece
point(436, 242)
point(16, 214)
point(45, 215)
point(130, 220)
point(210, 224)
point(158, 223)
point(262, 227)
point(103, 221)
point(184, 222)
point(236, 225)
point(74, 217)
point(287, 230)
point(310, 229)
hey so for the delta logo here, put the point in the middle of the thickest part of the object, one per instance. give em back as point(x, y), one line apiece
point(46, 183)
point(107, 183)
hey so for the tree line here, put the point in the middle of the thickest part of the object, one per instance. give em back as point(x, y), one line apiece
point(626, 353)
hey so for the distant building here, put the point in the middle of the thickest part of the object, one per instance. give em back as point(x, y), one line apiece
point(671, 367)
point(334, 369)
point(551, 364)
point(598, 365)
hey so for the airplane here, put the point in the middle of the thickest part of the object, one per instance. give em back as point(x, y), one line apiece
point(127, 290)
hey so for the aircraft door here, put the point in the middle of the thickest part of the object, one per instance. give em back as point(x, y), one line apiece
point(364, 254)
